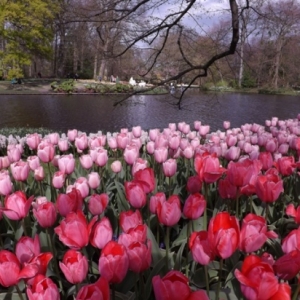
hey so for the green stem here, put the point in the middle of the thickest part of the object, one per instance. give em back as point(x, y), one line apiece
point(19, 292)
point(167, 242)
point(220, 279)
point(251, 204)
point(188, 230)
point(142, 286)
point(295, 295)
point(24, 227)
point(55, 263)
point(206, 279)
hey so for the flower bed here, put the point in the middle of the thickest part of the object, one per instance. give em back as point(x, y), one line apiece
point(164, 214)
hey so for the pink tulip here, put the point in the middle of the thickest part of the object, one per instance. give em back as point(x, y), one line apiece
point(113, 262)
point(42, 288)
point(135, 194)
point(33, 141)
point(139, 255)
point(101, 233)
point(86, 161)
point(20, 170)
point(139, 164)
point(16, 205)
point(137, 131)
point(5, 183)
point(169, 167)
point(74, 266)
point(101, 157)
point(45, 151)
point(95, 291)
point(130, 154)
point(33, 162)
point(71, 201)
point(174, 141)
point(146, 178)
point(160, 154)
point(122, 140)
point(169, 212)
point(74, 231)
point(63, 144)
point(136, 234)
point(72, 134)
point(130, 219)
point(5, 162)
point(155, 199)
point(13, 153)
point(194, 206)
point(93, 180)
point(58, 179)
point(150, 147)
point(39, 173)
point(66, 164)
point(116, 166)
point(226, 125)
point(112, 143)
point(27, 248)
point(98, 203)
point(44, 211)
point(82, 185)
point(10, 269)
point(81, 142)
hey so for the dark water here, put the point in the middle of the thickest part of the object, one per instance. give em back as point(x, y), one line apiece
point(91, 113)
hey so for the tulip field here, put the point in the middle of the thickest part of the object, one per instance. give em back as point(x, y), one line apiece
point(179, 213)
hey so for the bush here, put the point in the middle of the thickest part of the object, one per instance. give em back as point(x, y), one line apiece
point(66, 86)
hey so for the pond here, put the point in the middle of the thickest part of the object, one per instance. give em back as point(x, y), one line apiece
point(91, 113)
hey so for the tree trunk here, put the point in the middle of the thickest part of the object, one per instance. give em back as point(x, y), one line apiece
point(277, 62)
point(241, 69)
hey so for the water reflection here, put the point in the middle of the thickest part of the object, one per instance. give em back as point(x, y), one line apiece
point(91, 113)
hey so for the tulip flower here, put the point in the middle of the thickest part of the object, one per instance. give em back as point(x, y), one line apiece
point(66, 164)
point(44, 211)
point(226, 189)
point(169, 211)
point(82, 185)
point(45, 151)
point(135, 194)
point(86, 161)
point(116, 166)
point(131, 154)
point(71, 201)
point(113, 262)
point(33, 141)
point(286, 165)
point(224, 234)
point(136, 234)
point(200, 248)
point(147, 178)
point(95, 291)
point(293, 212)
point(33, 162)
point(169, 167)
point(139, 255)
point(20, 170)
point(72, 134)
point(74, 231)
point(161, 154)
point(173, 286)
point(101, 157)
point(74, 266)
point(81, 142)
point(257, 279)
point(58, 179)
point(269, 187)
point(93, 180)
point(254, 233)
point(16, 205)
point(42, 288)
point(194, 206)
point(5, 183)
point(101, 233)
point(291, 241)
point(11, 271)
point(139, 164)
point(27, 248)
point(130, 219)
point(97, 203)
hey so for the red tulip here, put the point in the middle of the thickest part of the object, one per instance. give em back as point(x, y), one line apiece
point(27, 248)
point(269, 187)
point(74, 266)
point(71, 201)
point(286, 165)
point(44, 211)
point(101, 233)
point(10, 269)
point(197, 295)
point(147, 178)
point(130, 219)
point(155, 199)
point(283, 292)
point(291, 241)
point(95, 291)
point(194, 184)
point(266, 159)
point(200, 247)
point(98, 203)
point(135, 194)
point(293, 212)
point(257, 279)
point(169, 212)
point(208, 167)
point(194, 206)
point(41, 261)
point(137, 234)
point(254, 233)
point(288, 266)
point(113, 262)
point(139, 255)
point(223, 234)
point(42, 288)
point(16, 205)
point(74, 231)
point(226, 189)
point(173, 286)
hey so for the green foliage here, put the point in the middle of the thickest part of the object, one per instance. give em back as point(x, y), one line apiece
point(66, 86)
point(14, 73)
point(106, 88)
point(248, 81)
point(27, 31)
